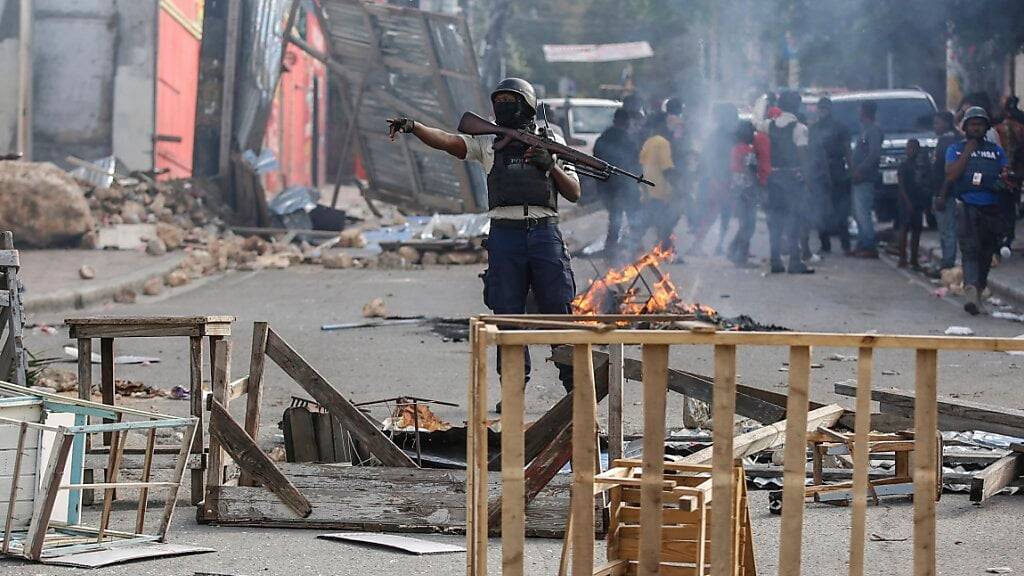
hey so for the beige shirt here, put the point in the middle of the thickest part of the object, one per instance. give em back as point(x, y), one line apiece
point(478, 149)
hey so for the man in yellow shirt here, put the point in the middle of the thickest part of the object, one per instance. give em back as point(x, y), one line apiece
point(660, 210)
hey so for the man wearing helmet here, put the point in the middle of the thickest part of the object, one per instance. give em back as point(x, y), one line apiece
point(525, 248)
point(975, 170)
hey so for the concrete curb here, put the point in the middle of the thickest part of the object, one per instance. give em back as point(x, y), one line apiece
point(96, 293)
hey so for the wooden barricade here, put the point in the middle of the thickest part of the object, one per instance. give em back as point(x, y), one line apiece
point(13, 359)
point(484, 334)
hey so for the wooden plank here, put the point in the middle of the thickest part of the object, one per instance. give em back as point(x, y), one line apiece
point(113, 471)
point(791, 537)
point(196, 409)
point(220, 350)
point(768, 436)
point(540, 471)
point(300, 435)
point(615, 381)
point(254, 399)
point(147, 469)
point(997, 476)
point(171, 497)
point(472, 514)
point(249, 457)
point(43, 508)
point(107, 379)
point(15, 476)
point(365, 498)
point(229, 75)
point(365, 431)
point(480, 455)
point(865, 366)
point(655, 383)
point(822, 339)
point(162, 321)
point(9, 258)
point(513, 520)
point(926, 425)
point(83, 442)
point(322, 423)
point(953, 413)
point(583, 453)
point(722, 452)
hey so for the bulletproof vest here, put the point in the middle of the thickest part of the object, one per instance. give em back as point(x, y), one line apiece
point(984, 163)
point(514, 182)
point(783, 148)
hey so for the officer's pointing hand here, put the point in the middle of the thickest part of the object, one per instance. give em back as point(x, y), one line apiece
point(403, 125)
point(539, 157)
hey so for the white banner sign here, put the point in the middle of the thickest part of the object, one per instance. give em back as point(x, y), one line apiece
point(597, 52)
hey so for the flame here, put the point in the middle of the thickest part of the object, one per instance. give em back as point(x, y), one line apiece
point(626, 291)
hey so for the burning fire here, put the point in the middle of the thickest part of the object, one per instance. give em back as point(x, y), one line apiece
point(626, 291)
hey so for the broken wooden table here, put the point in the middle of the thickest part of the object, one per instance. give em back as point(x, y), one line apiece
point(195, 328)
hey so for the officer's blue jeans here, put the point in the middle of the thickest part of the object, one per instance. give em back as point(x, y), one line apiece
point(524, 260)
point(863, 203)
point(947, 234)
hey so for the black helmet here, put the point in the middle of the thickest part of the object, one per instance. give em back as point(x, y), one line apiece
point(519, 87)
point(974, 112)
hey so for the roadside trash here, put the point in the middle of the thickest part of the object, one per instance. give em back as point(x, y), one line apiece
point(72, 352)
point(403, 543)
point(841, 358)
point(180, 393)
point(386, 321)
point(959, 331)
point(1008, 316)
point(879, 538)
point(47, 329)
point(890, 373)
point(375, 309)
point(999, 570)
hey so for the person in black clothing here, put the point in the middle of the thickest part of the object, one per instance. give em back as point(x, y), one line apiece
point(620, 195)
point(943, 124)
point(914, 197)
point(834, 141)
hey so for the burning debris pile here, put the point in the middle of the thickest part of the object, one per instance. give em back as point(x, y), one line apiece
point(643, 288)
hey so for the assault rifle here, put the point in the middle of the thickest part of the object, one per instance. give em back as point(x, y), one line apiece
point(585, 163)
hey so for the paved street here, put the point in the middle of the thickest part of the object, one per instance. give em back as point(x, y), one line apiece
point(845, 295)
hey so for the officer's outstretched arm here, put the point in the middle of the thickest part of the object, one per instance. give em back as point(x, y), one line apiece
point(433, 137)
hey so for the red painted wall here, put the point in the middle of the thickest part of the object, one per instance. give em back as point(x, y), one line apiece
point(290, 130)
point(177, 83)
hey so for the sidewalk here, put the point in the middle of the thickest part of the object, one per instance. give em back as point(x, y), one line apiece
point(1006, 280)
point(52, 282)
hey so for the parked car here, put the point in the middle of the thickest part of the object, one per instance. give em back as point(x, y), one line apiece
point(902, 115)
point(582, 119)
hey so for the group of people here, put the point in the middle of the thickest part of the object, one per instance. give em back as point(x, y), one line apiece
point(813, 177)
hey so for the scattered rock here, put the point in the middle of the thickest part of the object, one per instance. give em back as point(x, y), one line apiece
point(391, 261)
point(156, 247)
point(352, 238)
point(153, 286)
point(172, 236)
point(428, 258)
point(446, 231)
point(58, 379)
point(410, 254)
point(336, 259)
point(125, 296)
point(86, 273)
point(375, 309)
point(133, 212)
point(457, 258)
point(42, 205)
point(177, 278)
point(256, 244)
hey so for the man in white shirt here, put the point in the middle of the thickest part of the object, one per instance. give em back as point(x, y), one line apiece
point(525, 248)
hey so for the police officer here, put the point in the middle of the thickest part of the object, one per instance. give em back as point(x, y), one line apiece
point(975, 172)
point(525, 249)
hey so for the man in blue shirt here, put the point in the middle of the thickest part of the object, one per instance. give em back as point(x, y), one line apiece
point(975, 172)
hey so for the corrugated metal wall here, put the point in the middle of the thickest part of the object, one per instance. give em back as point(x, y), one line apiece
point(180, 30)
